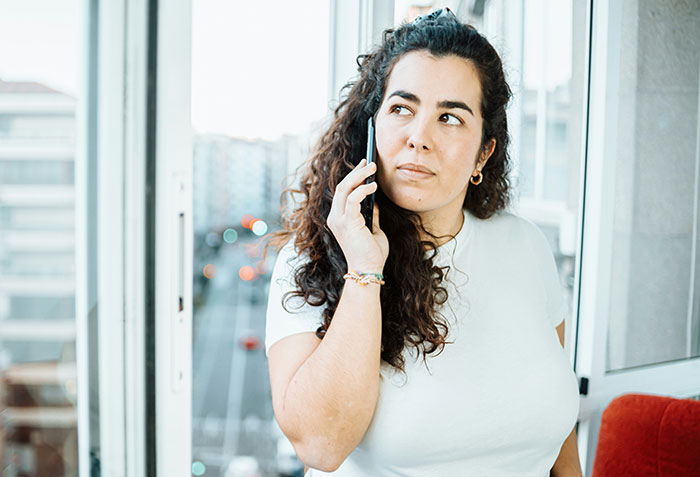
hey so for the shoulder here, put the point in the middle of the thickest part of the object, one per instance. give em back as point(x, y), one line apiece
point(288, 260)
point(288, 250)
point(289, 253)
point(506, 225)
point(533, 239)
point(514, 236)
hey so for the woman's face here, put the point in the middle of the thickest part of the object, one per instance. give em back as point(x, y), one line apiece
point(430, 120)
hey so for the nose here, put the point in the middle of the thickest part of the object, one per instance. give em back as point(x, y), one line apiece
point(419, 137)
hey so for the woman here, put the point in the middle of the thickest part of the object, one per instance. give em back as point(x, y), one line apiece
point(351, 310)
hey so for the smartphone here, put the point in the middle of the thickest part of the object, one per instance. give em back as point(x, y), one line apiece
point(367, 204)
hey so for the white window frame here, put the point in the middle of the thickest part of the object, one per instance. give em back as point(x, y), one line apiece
point(363, 20)
point(110, 224)
point(173, 253)
point(85, 241)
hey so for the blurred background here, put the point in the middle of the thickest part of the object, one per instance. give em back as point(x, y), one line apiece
point(265, 77)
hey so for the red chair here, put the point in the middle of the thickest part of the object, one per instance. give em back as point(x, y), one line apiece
point(647, 435)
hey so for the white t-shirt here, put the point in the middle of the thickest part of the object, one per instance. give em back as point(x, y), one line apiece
point(500, 400)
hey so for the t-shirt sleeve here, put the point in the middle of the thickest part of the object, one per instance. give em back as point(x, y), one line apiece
point(557, 298)
point(301, 316)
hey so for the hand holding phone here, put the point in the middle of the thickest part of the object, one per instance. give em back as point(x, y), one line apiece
point(365, 246)
point(367, 205)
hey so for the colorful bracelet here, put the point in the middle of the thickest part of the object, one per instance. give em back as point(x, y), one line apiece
point(365, 278)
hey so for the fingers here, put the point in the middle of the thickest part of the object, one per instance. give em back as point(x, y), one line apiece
point(349, 183)
point(353, 204)
point(375, 218)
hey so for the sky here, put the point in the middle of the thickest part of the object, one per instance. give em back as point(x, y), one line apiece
point(39, 42)
point(259, 68)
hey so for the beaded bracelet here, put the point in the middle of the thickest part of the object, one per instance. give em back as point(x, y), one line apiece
point(365, 278)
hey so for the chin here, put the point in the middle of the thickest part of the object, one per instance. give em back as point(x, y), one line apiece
point(410, 202)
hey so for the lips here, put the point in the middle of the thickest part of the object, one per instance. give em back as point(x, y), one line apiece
point(416, 168)
point(414, 173)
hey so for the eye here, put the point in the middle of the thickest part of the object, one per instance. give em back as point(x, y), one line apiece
point(396, 109)
point(452, 119)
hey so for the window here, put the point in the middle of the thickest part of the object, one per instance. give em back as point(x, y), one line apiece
point(257, 105)
point(38, 378)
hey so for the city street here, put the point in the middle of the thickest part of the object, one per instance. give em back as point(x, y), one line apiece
point(232, 410)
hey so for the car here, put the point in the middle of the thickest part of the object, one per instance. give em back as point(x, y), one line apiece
point(243, 466)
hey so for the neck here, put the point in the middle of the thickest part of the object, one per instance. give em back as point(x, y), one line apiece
point(442, 224)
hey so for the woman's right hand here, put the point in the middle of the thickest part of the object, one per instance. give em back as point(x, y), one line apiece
point(364, 251)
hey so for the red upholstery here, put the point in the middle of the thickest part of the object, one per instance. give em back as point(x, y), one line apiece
point(647, 435)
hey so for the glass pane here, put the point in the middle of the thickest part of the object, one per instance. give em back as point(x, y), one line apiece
point(654, 299)
point(38, 96)
point(256, 109)
point(543, 47)
point(551, 103)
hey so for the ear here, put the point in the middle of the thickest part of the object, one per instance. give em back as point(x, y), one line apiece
point(487, 150)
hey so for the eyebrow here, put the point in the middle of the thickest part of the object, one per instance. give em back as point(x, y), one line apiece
point(441, 104)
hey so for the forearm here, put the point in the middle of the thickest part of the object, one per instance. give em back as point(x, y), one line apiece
point(568, 463)
point(334, 393)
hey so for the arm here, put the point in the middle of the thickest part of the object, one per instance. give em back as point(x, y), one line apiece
point(567, 463)
point(329, 402)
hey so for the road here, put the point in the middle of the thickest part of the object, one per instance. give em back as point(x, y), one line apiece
point(231, 406)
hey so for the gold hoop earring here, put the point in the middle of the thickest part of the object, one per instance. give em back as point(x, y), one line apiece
point(481, 176)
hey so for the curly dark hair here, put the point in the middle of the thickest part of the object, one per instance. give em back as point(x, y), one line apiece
point(409, 301)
